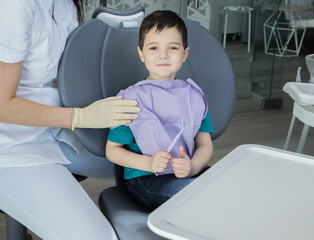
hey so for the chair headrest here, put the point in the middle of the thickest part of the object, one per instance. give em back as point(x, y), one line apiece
point(131, 18)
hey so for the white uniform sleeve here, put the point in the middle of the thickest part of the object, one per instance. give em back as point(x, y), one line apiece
point(16, 20)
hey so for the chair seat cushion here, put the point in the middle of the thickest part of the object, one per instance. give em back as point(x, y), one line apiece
point(127, 218)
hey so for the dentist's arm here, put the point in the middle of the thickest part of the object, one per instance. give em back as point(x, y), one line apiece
point(16, 110)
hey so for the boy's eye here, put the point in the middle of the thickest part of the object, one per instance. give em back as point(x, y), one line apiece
point(152, 48)
point(174, 48)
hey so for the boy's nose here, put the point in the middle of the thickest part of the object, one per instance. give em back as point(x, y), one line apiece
point(163, 54)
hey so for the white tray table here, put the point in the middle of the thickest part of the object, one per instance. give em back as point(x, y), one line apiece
point(255, 192)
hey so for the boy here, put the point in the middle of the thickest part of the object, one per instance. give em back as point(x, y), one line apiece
point(174, 113)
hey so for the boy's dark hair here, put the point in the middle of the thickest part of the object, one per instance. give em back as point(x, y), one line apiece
point(163, 19)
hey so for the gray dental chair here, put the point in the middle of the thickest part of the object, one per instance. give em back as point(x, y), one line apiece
point(99, 60)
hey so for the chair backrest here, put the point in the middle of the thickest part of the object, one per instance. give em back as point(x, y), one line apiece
point(99, 60)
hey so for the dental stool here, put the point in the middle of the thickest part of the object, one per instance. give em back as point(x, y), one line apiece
point(242, 8)
point(111, 63)
point(303, 108)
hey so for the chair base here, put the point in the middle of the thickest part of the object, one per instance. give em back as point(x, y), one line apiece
point(15, 230)
point(271, 103)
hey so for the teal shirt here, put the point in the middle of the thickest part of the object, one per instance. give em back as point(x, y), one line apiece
point(123, 135)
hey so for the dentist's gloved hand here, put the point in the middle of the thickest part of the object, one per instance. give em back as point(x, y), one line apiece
point(104, 113)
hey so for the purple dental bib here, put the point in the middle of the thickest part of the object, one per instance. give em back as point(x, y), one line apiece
point(164, 104)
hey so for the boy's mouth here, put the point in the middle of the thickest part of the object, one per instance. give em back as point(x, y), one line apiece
point(163, 65)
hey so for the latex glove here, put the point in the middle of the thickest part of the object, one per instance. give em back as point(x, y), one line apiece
point(104, 113)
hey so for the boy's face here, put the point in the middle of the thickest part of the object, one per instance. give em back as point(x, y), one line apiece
point(163, 53)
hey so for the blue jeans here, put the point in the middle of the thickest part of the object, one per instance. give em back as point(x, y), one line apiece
point(151, 191)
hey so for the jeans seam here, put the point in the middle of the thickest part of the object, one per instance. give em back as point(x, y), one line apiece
point(135, 194)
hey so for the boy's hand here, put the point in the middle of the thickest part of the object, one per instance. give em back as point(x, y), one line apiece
point(182, 166)
point(160, 161)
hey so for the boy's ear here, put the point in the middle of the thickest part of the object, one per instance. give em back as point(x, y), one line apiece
point(140, 54)
point(186, 53)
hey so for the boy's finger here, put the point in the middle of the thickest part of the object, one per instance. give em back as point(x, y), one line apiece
point(176, 160)
point(181, 152)
point(166, 155)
